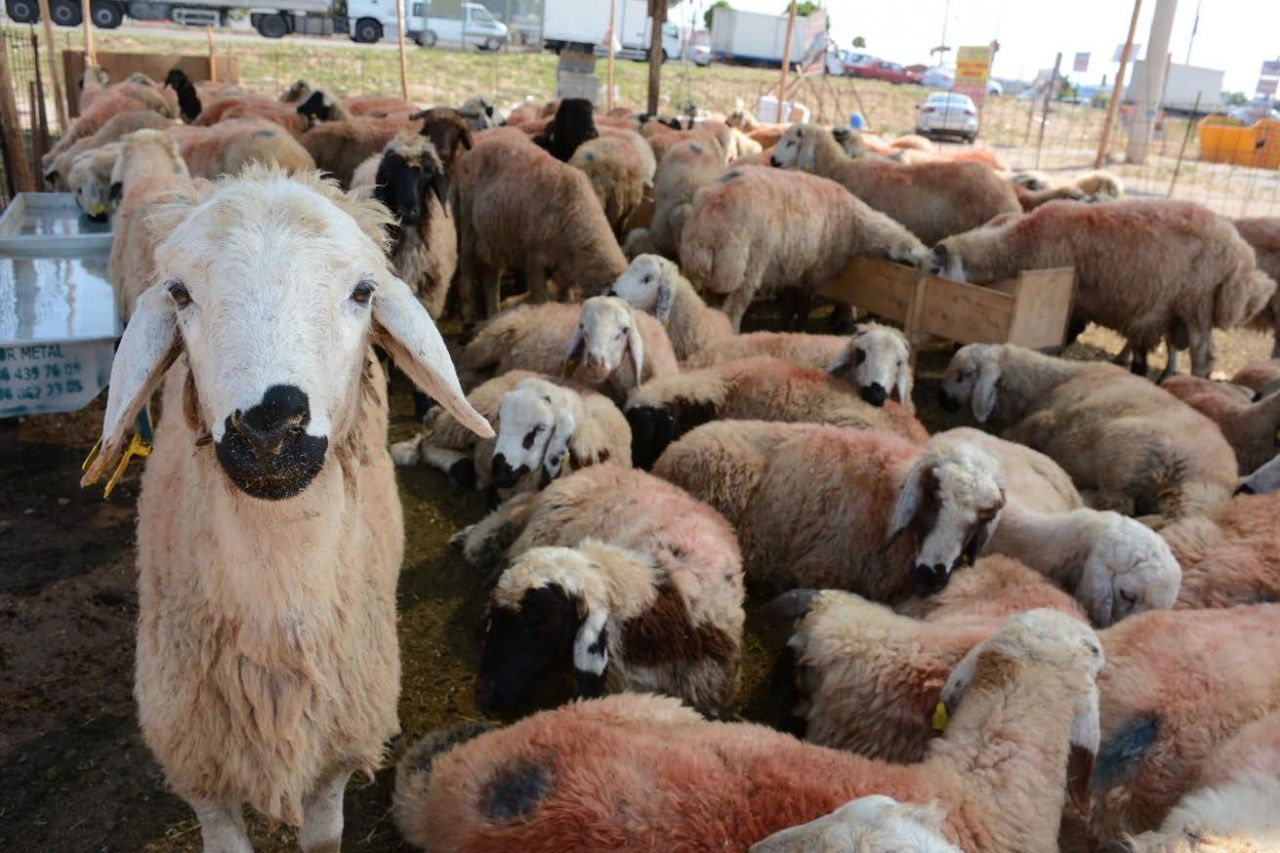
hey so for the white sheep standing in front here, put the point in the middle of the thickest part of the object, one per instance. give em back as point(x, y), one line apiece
point(270, 532)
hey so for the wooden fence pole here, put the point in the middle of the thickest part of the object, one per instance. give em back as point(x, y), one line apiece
point(404, 61)
point(213, 57)
point(64, 123)
point(1044, 115)
point(1186, 137)
point(786, 59)
point(15, 150)
point(86, 18)
point(1117, 91)
point(657, 17)
point(613, 7)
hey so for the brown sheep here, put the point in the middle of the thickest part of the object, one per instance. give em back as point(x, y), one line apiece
point(685, 168)
point(933, 200)
point(617, 176)
point(339, 147)
point(103, 108)
point(519, 208)
point(118, 126)
point(227, 147)
point(1263, 233)
point(1252, 429)
point(449, 133)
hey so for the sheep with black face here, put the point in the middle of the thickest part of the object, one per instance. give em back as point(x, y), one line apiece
point(270, 534)
point(640, 594)
point(573, 125)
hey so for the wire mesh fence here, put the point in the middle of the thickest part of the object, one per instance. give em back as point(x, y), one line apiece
point(1061, 139)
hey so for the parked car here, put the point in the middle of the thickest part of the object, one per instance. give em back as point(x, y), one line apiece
point(475, 25)
point(700, 54)
point(994, 87)
point(947, 114)
point(852, 59)
point(936, 78)
point(892, 72)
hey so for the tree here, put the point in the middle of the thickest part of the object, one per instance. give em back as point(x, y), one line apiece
point(803, 9)
point(859, 42)
point(710, 13)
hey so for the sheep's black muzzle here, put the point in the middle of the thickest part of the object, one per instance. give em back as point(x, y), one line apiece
point(930, 579)
point(773, 161)
point(265, 451)
point(875, 394)
point(947, 402)
point(503, 475)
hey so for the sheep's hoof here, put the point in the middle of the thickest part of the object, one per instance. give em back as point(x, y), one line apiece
point(405, 453)
point(458, 541)
point(463, 474)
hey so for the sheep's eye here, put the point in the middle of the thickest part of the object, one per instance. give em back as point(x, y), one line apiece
point(179, 293)
point(1129, 598)
point(621, 332)
point(363, 293)
point(859, 356)
point(648, 279)
point(529, 437)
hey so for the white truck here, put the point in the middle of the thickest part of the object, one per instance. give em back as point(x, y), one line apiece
point(752, 38)
point(1181, 87)
point(584, 24)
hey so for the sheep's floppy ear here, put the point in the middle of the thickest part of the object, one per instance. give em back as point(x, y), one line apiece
point(635, 344)
point(843, 361)
point(909, 500)
point(570, 354)
point(806, 158)
point(558, 443)
point(902, 385)
point(666, 298)
point(440, 186)
point(1095, 591)
point(591, 654)
point(984, 392)
point(149, 345)
point(1085, 736)
point(406, 331)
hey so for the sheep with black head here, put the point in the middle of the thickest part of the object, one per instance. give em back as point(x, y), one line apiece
point(573, 125)
point(188, 100)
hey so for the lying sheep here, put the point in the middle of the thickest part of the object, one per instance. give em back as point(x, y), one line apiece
point(546, 428)
point(1252, 429)
point(275, 419)
point(617, 176)
point(1128, 445)
point(556, 230)
point(1236, 808)
point(601, 343)
point(873, 824)
point(1176, 687)
point(1114, 566)
point(1261, 377)
point(90, 180)
point(410, 182)
point(571, 127)
point(820, 506)
point(654, 589)
point(684, 169)
point(114, 129)
point(932, 200)
point(1230, 556)
point(758, 389)
point(1263, 234)
point(149, 173)
point(1036, 188)
point(757, 230)
point(1148, 269)
point(686, 781)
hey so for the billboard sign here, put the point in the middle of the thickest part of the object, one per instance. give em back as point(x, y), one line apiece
point(973, 70)
point(1081, 63)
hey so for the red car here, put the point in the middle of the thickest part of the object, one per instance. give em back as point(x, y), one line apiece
point(880, 69)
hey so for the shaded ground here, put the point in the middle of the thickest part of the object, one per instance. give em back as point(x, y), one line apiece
point(74, 774)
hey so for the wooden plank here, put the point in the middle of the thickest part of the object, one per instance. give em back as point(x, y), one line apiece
point(881, 287)
point(963, 312)
point(1042, 308)
point(155, 65)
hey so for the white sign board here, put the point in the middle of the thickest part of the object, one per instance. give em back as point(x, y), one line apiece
point(1137, 49)
point(1271, 69)
point(1082, 62)
point(1267, 86)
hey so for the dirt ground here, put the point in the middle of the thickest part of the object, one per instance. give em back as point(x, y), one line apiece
point(74, 773)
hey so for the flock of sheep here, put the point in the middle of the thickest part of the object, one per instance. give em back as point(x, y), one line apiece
point(984, 653)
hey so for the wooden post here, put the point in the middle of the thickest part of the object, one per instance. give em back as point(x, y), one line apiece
point(41, 143)
point(658, 17)
point(613, 8)
point(404, 62)
point(1186, 137)
point(213, 57)
point(1116, 91)
point(15, 151)
point(64, 123)
point(86, 18)
point(786, 59)
point(1044, 114)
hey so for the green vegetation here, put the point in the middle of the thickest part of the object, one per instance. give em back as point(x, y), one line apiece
point(711, 10)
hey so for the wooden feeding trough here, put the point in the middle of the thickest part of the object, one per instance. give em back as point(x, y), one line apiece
point(1031, 310)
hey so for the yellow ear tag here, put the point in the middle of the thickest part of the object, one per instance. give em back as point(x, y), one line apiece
point(940, 718)
point(138, 446)
point(570, 364)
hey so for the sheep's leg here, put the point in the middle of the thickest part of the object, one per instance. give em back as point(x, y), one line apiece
point(1139, 365)
point(485, 543)
point(1171, 359)
point(222, 827)
point(737, 303)
point(1201, 353)
point(1122, 358)
point(799, 320)
point(458, 465)
point(322, 816)
point(537, 278)
point(491, 281)
point(468, 286)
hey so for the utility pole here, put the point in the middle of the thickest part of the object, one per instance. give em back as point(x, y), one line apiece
point(786, 60)
point(657, 17)
point(942, 52)
point(1151, 86)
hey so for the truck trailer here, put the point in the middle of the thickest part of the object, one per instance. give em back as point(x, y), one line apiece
point(583, 25)
point(753, 38)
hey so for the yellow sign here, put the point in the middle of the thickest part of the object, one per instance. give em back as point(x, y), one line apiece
point(973, 64)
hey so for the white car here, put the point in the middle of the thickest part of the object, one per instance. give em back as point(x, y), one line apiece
point(947, 114)
point(700, 54)
point(475, 26)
